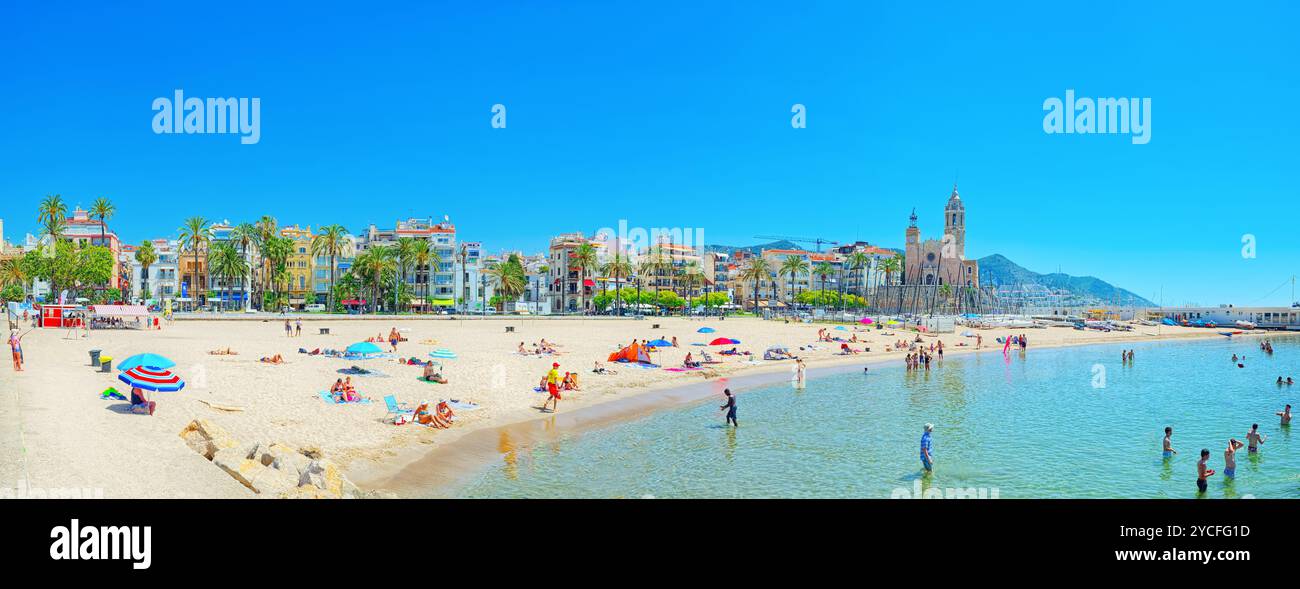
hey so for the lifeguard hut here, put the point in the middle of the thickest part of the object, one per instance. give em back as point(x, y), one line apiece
point(56, 316)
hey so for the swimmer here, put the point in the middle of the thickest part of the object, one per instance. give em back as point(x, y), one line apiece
point(1201, 471)
point(1254, 438)
point(1169, 450)
point(1285, 414)
point(1230, 458)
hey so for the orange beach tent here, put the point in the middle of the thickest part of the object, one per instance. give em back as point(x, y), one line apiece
point(632, 353)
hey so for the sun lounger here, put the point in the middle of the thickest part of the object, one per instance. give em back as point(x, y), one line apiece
point(395, 408)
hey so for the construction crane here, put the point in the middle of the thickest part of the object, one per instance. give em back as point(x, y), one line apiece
point(813, 240)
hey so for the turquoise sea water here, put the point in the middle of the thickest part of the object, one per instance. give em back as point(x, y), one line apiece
point(1031, 426)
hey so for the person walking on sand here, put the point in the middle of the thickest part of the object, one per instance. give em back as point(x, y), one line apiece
point(16, 346)
point(288, 329)
point(730, 407)
point(297, 327)
point(1254, 439)
point(553, 388)
point(927, 459)
point(1285, 414)
point(1202, 472)
point(1230, 458)
point(1169, 450)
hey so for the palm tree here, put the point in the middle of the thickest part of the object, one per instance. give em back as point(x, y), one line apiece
point(691, 276)
point(276, 251)
point(618, 268)
point(103, 208)
point(146, 255)
point(423, 255)
point(404, 251)
point(13, 271)
point(53, 216)
point(858, 262)
point(194, 236)
point(330, 241)
point(266, 231)
point(375, 267)
point(822, 270)
point(945, 292)
point(793, 266)
point(245, 236)
point(757, 269)
point(584, 259)
point(508, 279)
point(224, 260)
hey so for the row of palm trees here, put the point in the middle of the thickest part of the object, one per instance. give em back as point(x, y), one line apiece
point(759, 269)
point(657, 266)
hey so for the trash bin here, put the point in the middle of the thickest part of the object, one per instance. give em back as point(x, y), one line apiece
point(106, 364)
point(94, 357)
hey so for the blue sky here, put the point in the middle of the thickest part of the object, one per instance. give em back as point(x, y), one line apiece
point(678, 115)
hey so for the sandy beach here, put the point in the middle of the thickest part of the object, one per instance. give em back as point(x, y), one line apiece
point(58, 433)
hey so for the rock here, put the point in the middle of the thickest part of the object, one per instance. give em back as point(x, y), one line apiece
point(323, 475)
point(237, 464)
point(273, 482)
point(207, 438)
point(307, 492)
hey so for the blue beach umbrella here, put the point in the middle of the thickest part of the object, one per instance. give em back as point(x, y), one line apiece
point(660, 343)
point(841, 328)
point(443, 353)
point(705, 330)
point(364, 348)
point(147, 360)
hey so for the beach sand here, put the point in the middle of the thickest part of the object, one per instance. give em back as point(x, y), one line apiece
point(58, 435)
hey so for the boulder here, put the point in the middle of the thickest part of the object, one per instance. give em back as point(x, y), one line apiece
point(207, 438)
point(307, 492)
point(237, 464)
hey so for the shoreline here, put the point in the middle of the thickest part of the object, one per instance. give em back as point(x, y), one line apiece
point(438, 471)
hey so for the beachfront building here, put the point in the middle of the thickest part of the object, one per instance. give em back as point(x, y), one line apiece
point(536, 298)
point(467, 279)
point(567, 287)
point(663, 267)
point(871, 274)
point(1227, 316)
point(941, 261)
point(438, 280)
point(159, 281)
point(299, 266)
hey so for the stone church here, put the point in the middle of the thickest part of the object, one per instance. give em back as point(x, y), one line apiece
point(941, 261)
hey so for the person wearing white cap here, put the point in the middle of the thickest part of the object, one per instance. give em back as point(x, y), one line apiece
point(927, 460)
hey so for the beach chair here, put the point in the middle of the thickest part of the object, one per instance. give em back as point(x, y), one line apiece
point(395, 408)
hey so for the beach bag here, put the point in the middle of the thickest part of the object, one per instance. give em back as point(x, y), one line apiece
point(401, 420)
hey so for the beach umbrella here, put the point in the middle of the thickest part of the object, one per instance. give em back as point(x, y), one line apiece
point(865, 321)
point(660, 343)
point(147, 360)
point(364, 348)
point(841, 328)
point(970, 315)
point(722, 341)
point(705, 330)
point(152, 379)
point(443, 353)
point(891, 322)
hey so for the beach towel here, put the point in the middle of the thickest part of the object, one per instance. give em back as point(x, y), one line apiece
point(328, 398)
point(683, 369)
point(462, 405)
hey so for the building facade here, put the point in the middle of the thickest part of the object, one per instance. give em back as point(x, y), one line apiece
point(941, 261)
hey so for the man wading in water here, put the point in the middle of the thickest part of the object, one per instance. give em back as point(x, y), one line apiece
point(730, 406)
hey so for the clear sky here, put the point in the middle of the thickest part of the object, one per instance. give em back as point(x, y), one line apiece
point(678, 115)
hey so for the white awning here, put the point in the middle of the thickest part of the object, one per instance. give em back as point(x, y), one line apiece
point(120, 310)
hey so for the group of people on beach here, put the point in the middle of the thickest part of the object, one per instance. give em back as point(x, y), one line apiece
point(542, 348)
point(344, 392)
point(1126, 356)
point(921, 358)
point(293, 329)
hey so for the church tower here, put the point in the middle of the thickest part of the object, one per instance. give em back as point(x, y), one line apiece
point(954, 223)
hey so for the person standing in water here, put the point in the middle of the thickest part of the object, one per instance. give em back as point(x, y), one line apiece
point(1254, 439)
point(1169, 450)
point(799, 371)
point(927, 459)
point(1202, 472)
point(730, 406)
point(1285, 414)
point(1230, 458)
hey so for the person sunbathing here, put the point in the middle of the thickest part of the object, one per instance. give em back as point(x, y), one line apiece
point(600, 369)
point(690, 362)
point(522, 351)
point(276, 359)
point(423, 416)
point(432, 375)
